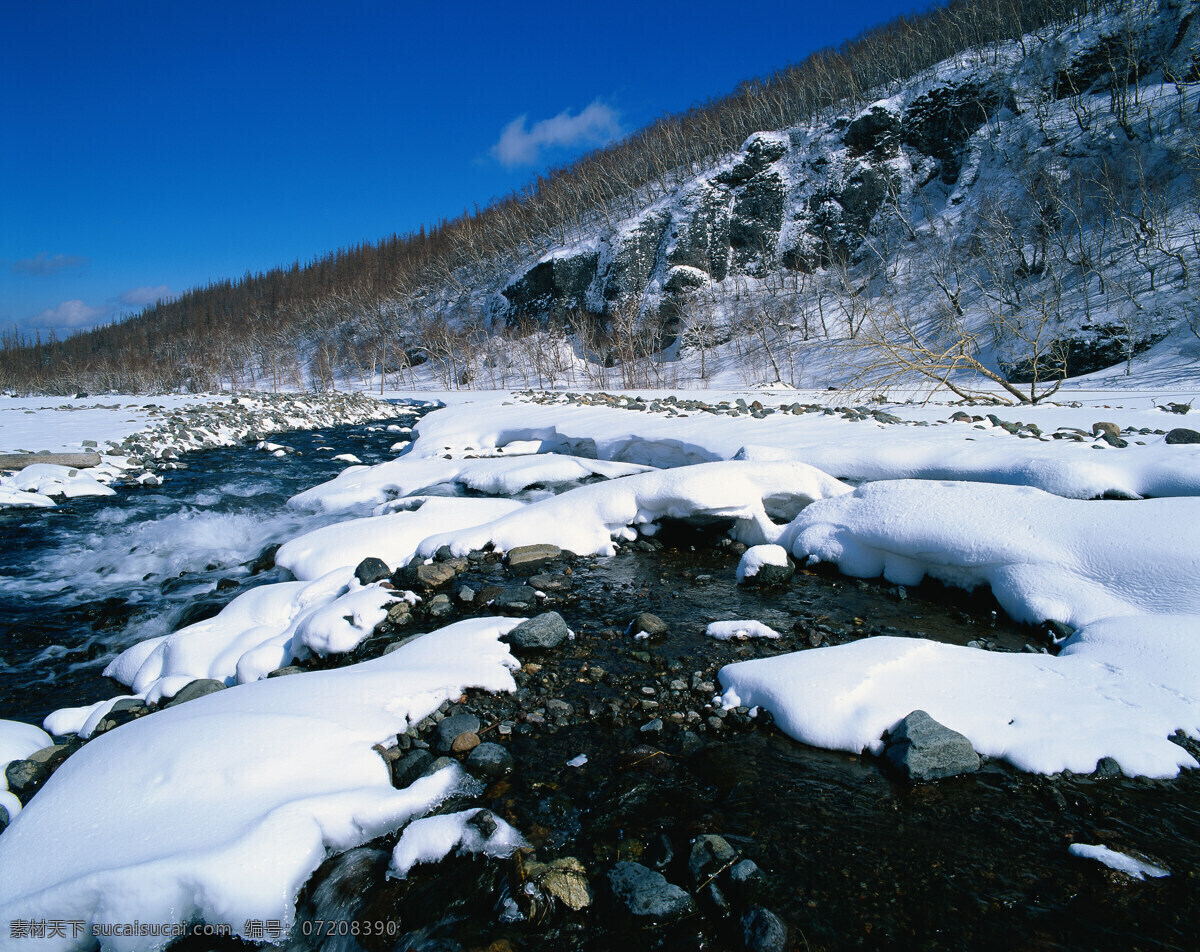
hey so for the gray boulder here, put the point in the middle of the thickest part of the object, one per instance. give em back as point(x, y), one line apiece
point(451, 728)
point(1182, 434)
point(763, 931)
point(541, 632)
point(532, 554)
point(922, 749)
point(195, 689)
point(371, 570)
point(646, 894)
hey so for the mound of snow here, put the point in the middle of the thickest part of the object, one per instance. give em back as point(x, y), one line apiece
point(755, 557)
point(240, 795)
point(432, 838)
point(409, 476)
point(731, 630)
point(586, 520)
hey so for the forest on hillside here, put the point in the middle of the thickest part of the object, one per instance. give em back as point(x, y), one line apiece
point(372, 314)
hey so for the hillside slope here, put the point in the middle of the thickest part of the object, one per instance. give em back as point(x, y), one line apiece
point(1021, 211)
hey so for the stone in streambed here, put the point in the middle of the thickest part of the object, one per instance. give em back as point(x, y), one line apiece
point(541, 632)
point(450, 729)
point(646, 894)
point(490, 760)
point(371, 570)
point(922, 749)
point(532, 554)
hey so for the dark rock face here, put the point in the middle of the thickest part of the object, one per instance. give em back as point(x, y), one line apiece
point(876, 131)
point(646, 894)
point(1182, 434)
point(922, 749)
point(757, 218)
point(541, 632)
point(557, 285)
point(634, 258)
point(702, 233)
point(758, 152)
point(371, 570)
point(939, 123)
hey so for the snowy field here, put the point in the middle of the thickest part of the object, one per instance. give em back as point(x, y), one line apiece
point(1093, 527)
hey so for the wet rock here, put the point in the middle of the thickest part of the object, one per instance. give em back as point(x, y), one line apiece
point(371, 570)
point(439, 606)
point(711, 854)
point(227, 584)
point(1181, 435)
point(399, 613)
point(195, 689)
point(441, 763)
point(746, 881)
point(646, 894)
point(453, 727)
point(25, 777)
point(4, 819)
point(765, 566)
point(689, 743)
point(490, 760)
point(542, 632)
point(524, 555)
point(564, 878)
point(465, 743)
point(1108, 769)
point(465, 594)
point(551, 583)
point(515, 598)
point(646, 625)
point(763, 931)
point(922, 749)
point(433, 575)
point(408, 768)
point(265, 561)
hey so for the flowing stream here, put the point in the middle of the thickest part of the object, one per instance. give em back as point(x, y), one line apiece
point(852, 857)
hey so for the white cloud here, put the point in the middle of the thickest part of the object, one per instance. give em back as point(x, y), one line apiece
point(140, 297)
point(70, 315)
point(44, 264)
point(595, 125)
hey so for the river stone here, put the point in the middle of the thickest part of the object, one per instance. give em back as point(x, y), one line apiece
point(1182, 434)
point(465, 743)
point(439, 606)
point(195, 689)
point(565, 879)
point(515, 598)
point(434, 574)
point(647, 894)
point(25, 776)
point(649, 625)
point(551, 583)
point(763, 931)
point(451, 728)
point(922, 749)
point(1104, 428)
point(490, 760)
point(532, 554)
point(408, 768)
point(441, 763)
point(544, 631)
point(371, 570)
point(710, 854)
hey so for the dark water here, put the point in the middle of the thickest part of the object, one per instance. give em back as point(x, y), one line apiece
point(851, 857)
point(81, 582)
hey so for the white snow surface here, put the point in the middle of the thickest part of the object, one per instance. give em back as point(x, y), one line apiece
point(739, 629)
point(433, 838)
point(1122, 862)
point(394, 537)
point(1044, 557)
point(755, 557)
point(862, 450)
point(587, 519)
point(410, 476)
point(239, 794)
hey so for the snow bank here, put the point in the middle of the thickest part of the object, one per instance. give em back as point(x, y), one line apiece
point(259, 631)
point(50, 479)
point(1040, 713)
point(1124, 571)
point(1044, 557)
point(925, 445)
point(731, 630)
point(394, 537)
point(586, 520)
point(240, 794)
point(755, 557)
point(409, 476)
point(432, 838)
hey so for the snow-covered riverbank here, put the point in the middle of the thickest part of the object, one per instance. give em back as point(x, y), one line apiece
point(970, 496)
point(136, 437)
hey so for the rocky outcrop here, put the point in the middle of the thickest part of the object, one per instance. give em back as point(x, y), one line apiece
point(939, 123)
point(552, 286)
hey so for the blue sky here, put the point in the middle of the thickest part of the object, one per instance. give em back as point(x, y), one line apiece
point(149, 147)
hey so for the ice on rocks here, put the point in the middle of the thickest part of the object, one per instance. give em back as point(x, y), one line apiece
point(240, 794)
point(433, 838)
point(737, 630)
point(1121, 862)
